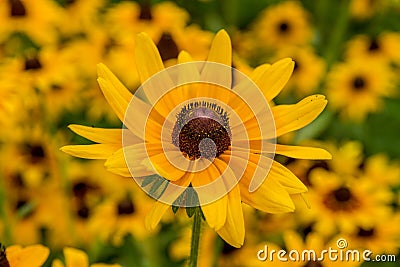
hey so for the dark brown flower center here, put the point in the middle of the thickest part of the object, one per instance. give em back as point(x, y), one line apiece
point(228, 249)
point(202, 130)
point(167, 47)
point(313, 264)
point(83, 211)
point(374, 45)
point(32, 64)
point(342, 194)
point(17, 8)
point(284, 27)
point(36, 153)
point(3, 257)
point(362, 232)
point(126, 207)
point(341, 199)
point(145, 12)
point(69, 2)
point(359, 83)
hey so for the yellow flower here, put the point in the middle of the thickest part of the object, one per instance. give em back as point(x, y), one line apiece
point(355, 88)
point(340, 202)
point(80, 15)
point(282, 25)
point(74, 257)
point(365, 9)
point(382, 237)
point(17, 256)
point(201, 167)
point(385, 47)
point(27, 17)
point(381, 170)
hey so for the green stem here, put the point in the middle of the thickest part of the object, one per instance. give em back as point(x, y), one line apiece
point(7, 231)
point(194, 247)
point(333, 48)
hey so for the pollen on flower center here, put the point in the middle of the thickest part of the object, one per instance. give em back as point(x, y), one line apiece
point(202, 130)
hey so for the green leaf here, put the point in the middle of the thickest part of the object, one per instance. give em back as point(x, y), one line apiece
point(175, 209)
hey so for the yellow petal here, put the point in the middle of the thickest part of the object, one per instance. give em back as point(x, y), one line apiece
point(34, 255)
point(286, 178)
point(293, 117)
point(117, 102)
point(142, 121)
point(147, 57)
point(94, 151)
point(135, 155)
point(149, 63)
point(184, 57)
point(270, 196)
point(214, 212)
point(274, 77)
point(57, 263)
point(98, 135)
point(165, 169)
point(221, 49)
point(302, 152)
point(75, 257)
point(220, 52)
point(233, 231)
point(155, 215)
point(106, 74)
point(170, 194)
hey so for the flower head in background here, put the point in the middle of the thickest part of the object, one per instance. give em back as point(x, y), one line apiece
point(356, 89)
point(202, 139)
point(284, 24)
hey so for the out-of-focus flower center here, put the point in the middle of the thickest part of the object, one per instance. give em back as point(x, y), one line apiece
point(202, 130)
point(284, 27)
point(17, 8)
point(167, 47)
point(3, 257)
point(365, 232)
point(374, 45)
point(32, 64)
point(341, 199)
point(359, 83)
point(145, 11)
point(126, 207)
point(313, 264)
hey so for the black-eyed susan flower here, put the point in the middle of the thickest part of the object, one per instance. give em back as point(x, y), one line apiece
point(356, 89)
point(384, 47)
point(75, 257)
point(27, 17)
point(284, 24)
point(343, 203)
point(381, 238)
point(202, 136)
point(18, 256)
